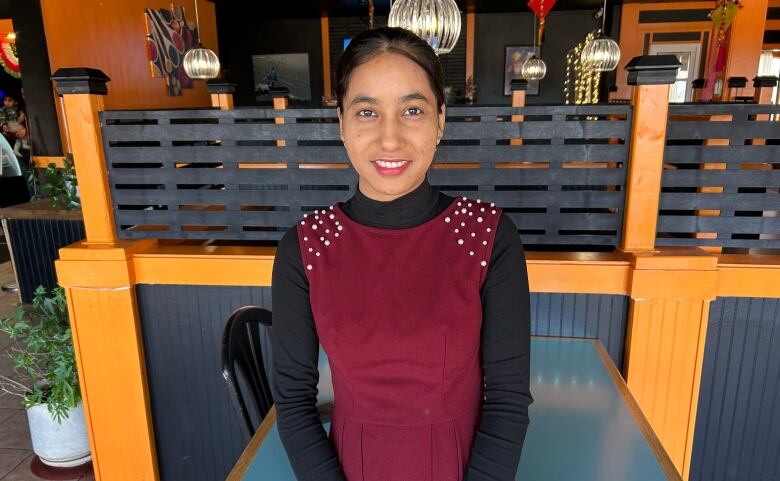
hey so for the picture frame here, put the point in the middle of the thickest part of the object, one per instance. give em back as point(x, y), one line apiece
point(289, 70)
point(514, 56)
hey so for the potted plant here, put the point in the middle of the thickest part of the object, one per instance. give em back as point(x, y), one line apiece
point(46, 379)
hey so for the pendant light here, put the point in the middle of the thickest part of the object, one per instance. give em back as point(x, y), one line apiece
point(602, 54)
point(534, 68)
point(435, 21)
point(200, 63)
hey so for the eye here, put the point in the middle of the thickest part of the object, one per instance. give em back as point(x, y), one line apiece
point(365, 113)
point(413, 111)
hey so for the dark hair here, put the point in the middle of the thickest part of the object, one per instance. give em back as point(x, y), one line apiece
point(372, 43)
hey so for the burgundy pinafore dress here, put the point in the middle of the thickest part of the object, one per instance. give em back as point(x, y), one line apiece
point(398, 312)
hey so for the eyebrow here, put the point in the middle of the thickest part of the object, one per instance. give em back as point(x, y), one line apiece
point(372, 100)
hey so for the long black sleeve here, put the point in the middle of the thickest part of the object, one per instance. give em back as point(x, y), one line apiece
point(506, 352)
point(295, 348)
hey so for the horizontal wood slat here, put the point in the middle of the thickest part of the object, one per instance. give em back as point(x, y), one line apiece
point(721, 176)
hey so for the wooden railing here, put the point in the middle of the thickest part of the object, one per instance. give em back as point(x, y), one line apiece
point(670, 288)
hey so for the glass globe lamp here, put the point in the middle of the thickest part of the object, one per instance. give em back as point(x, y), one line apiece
point(201, 63)
point(435, 21)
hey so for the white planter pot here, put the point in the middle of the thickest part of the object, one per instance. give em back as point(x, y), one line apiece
point(60, 445)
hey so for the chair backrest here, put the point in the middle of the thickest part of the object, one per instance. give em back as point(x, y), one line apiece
point(246, 363)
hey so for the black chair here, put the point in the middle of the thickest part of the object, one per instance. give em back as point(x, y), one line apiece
point(246, 364)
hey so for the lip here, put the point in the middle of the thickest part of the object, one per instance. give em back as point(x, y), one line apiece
point(391, 171)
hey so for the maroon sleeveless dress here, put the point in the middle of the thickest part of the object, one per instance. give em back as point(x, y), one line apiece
point(398, 312)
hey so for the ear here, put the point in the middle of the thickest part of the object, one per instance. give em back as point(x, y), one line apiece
point(442, 117)
point(341, 124)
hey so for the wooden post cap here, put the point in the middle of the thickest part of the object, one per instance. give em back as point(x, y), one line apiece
point(518, 84)
point(737, 82)
point(765, 81)
point(279, 92)
point(220, 87)
point(80, 80)
point(652, 70)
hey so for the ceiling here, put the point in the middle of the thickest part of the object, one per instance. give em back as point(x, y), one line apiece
point(354, 8)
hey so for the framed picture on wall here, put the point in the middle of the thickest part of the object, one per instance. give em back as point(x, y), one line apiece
point(289, 70)
point(514, 57)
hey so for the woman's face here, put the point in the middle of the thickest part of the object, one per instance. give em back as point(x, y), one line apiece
point(390, 125)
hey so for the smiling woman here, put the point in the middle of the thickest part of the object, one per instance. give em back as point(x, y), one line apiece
point(391, 112)
point(420, 300)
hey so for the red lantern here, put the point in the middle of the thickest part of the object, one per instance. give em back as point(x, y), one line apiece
point(541, 8)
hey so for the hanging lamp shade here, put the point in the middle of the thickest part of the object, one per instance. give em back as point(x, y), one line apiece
point(201, 63)
point(533, 69)
point(435, 21)
point(601, 54)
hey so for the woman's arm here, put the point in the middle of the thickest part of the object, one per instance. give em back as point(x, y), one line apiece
point(506, 352)
point(295, 353)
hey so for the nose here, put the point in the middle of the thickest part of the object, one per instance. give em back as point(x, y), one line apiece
point(391, 135)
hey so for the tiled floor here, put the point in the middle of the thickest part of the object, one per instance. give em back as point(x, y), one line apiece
point(15, 448)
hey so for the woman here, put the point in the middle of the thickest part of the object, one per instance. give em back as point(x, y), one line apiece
point(414, 296)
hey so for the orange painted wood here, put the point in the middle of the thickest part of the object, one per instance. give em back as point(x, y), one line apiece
point(645, 165)
point(112, 375)
point(745, 42)
point(81, 113)
point(280, 103)
point(471, 21)
point(222, 101)
point(43, 162)
point(518, 100)
point(632, 33)
point(110, 36)
point(327, 90)
point(664, 353)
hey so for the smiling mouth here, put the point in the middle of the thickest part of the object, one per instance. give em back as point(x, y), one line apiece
point(391, 164)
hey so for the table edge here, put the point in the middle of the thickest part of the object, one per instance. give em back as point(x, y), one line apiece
point(241, 466)
point(644, 425)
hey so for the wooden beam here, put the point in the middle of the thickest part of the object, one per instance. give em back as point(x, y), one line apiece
point(327, 89)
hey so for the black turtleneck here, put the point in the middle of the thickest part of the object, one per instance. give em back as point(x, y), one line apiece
point(504, 345)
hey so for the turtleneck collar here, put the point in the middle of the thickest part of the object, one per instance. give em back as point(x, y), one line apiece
point(409, 210)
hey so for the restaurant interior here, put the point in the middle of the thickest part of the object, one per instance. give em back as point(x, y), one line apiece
point(155, 152)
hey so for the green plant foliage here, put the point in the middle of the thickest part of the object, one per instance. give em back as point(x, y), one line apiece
point(57, 184)
point(42, 353)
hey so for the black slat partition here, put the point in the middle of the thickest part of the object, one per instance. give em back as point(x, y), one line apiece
point(721, 176)
point(35, 243)
point(197, 433)
point(219, 174)
point(737, 435)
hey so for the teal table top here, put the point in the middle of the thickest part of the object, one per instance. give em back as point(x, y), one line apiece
point(584, 425)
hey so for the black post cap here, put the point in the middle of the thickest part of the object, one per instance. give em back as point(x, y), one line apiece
point(220, 87)
point(652, 70)
point(80, 80)
point(737, 82)
point(699, 83)
point(518, 84)
point(765, 81)
point(279, 92)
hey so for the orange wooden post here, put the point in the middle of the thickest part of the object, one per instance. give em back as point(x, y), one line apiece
point(735, 85)
point(83, 91)
point(221, 94)
point(698, 88)
point(281, 101)
point(98, 277)
point(519, 87)
point(652, 76)
point(670, 288)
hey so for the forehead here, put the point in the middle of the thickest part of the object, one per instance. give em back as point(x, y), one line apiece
point(388, 75)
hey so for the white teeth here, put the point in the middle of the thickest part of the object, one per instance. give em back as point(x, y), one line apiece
point(391, 165)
